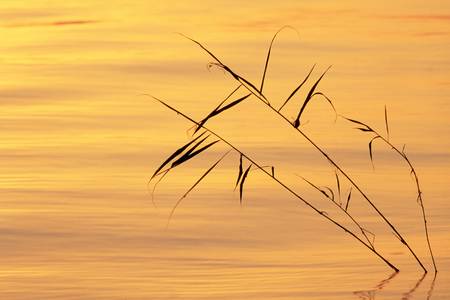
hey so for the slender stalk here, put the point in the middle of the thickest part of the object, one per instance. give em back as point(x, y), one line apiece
point(323, 214)
point(344, 210)
point(251, 88)
point(419, 191)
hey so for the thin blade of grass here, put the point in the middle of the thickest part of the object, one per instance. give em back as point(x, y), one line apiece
point(268, 54)
point(241, 187)
point(211, 114)
point(230, 105)
point(201, 46)
point(372, 242)
point(366, 127)
point(297, 88)
point(386, 122)
point(175, 154)
point(308, 98)
point(329, 101)
point(188, 156)
point(348, 199)
point(240, 172)
point(370, 149)
point(338, 185)
point(194, 185)
point(227, 69)
point(318, 188)
point(331, 195)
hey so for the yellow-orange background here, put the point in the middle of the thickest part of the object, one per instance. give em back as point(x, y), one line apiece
point(79, 142)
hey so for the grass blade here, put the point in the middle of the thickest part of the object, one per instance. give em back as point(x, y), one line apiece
point(329, 196)
point(230, 105)
point(297, 88)
point(370, 149)
point(308, 98)
point(338, 184)
point(173, 155)
point(365, 127)
point(188, 156)
point(386, 122)
point(268, 54)
point(193, 186)
point(241, 187)
point(329, 101)
point(348, 199)
point(242, 80)
point(240, 172)
point(211, 114)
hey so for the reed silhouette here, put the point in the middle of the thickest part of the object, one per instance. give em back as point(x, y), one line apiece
point(198, 145)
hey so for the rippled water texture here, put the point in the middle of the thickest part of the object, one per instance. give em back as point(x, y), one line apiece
point(79, 142)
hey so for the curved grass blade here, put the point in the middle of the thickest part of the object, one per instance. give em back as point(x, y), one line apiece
point(241, 79)
point(370, 149)
point(241, 187)
point(329, 196)
point(329, 101)
point(338, 184)
point(268, 53)
point(211, 114)
point(173, 155)
point(348, 199)
point(230, 105)
point(297, 88)
point(240, 172)
point(366, 127)
point(201, 46)
point(386, 122)
point(188, 156)
point(194, 185)
point(308, 98)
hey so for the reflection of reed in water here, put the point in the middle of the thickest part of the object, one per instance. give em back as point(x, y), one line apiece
point(370, 294)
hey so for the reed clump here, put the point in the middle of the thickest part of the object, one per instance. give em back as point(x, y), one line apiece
point(204, 138)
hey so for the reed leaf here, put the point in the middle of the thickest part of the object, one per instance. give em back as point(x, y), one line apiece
point(386, 122)
point(348, 199)
point(297, 88)
point(338, 185)
point(187, 156)
point(174, 154)
point(194, 185)
point(370, 149)
point(308, 98)
point(240, 172)
point(230, 105)
point(365, 128)
point(241, 187)
point(211, 114)
point(269, 51)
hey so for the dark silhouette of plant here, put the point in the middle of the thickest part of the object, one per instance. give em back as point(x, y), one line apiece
point(258, 93)
point(179, 153)
point(376, 135)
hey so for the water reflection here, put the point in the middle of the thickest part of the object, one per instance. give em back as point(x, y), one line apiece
point(371, 294)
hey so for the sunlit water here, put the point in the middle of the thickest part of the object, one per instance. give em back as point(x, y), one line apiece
point(79, 142)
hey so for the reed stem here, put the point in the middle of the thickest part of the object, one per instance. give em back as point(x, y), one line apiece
point(321, 213)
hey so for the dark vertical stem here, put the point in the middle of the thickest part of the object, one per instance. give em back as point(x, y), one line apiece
point(419, 193)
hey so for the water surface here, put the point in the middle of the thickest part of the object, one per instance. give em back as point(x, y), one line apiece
point(79, 143)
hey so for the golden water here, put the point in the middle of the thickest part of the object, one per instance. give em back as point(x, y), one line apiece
point(79, 142)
